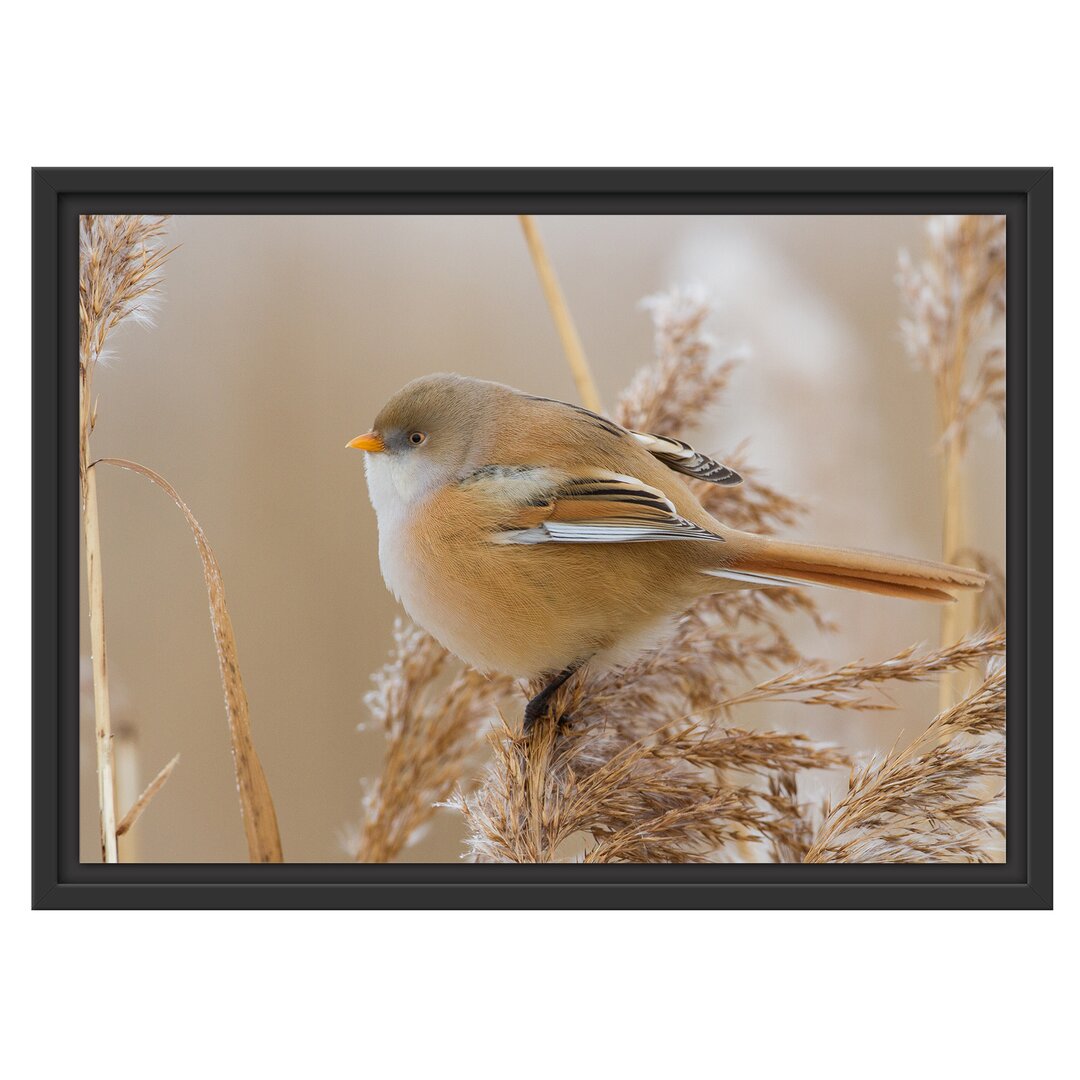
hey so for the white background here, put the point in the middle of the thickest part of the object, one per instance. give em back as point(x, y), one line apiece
point(740, 993)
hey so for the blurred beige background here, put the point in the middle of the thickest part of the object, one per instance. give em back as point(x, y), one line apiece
point(277, 340)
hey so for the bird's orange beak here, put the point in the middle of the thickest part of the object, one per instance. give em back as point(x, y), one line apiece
point(371, 442)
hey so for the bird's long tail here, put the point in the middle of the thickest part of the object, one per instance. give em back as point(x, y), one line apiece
point(759, 560)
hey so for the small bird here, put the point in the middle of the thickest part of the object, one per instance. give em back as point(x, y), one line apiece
point(530, 536)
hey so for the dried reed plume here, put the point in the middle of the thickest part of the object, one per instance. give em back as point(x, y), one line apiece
point(930, 802)
point(120, 262)
point(676, 391)
point(628, 784)
point(120, 258)
point(669, 796)
point(839, 688)
point(431, 730)
point(955, 297)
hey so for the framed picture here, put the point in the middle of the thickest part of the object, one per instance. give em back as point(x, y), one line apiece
point(570, 538)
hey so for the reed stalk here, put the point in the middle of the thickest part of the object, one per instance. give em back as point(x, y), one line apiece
point(957, 619)
point(119, 260)
point(95, 592)
point(564, 324)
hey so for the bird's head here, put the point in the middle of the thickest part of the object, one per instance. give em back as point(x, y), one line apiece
point(433, 431)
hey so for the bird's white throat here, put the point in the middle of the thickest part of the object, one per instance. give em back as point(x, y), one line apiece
point(395, 483)
point(397, 491)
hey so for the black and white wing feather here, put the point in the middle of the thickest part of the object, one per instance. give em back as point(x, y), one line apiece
point(591, 506)
point(683, 458)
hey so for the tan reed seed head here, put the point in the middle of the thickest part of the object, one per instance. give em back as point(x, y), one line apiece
point(686, 379)
point(954, 296)
point(432, 721)
point(930, 802)
point(120, 261)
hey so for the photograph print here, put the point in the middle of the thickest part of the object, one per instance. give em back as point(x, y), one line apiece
point(565, 539)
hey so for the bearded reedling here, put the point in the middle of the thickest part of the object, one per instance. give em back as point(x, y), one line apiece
point(531, 537)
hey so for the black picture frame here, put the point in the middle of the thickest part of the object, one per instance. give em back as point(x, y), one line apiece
point(60, 195)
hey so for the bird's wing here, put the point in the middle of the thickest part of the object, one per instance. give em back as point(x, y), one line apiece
point(674, 453)
point(683, 458)
point(583, 506)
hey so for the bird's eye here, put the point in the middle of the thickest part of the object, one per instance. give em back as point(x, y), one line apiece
point(418, 438)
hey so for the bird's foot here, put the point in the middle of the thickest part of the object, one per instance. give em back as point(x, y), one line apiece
point(563, 720)
point(539, 705)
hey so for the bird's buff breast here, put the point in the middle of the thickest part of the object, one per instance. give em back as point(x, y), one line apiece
point(459, 599)
point(461, 610)
point(439, 581)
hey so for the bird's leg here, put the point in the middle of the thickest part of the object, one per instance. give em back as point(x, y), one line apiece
point(538, 705)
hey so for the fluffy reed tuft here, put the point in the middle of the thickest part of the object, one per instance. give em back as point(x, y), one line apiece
point(120, 262)
point(431, 731)
point(687, 379)
point(954, 297)
point(930, 802)
point(627, 774)
point(839, 688)
point(669, 796)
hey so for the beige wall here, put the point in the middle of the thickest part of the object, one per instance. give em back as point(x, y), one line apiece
point(278, 339)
